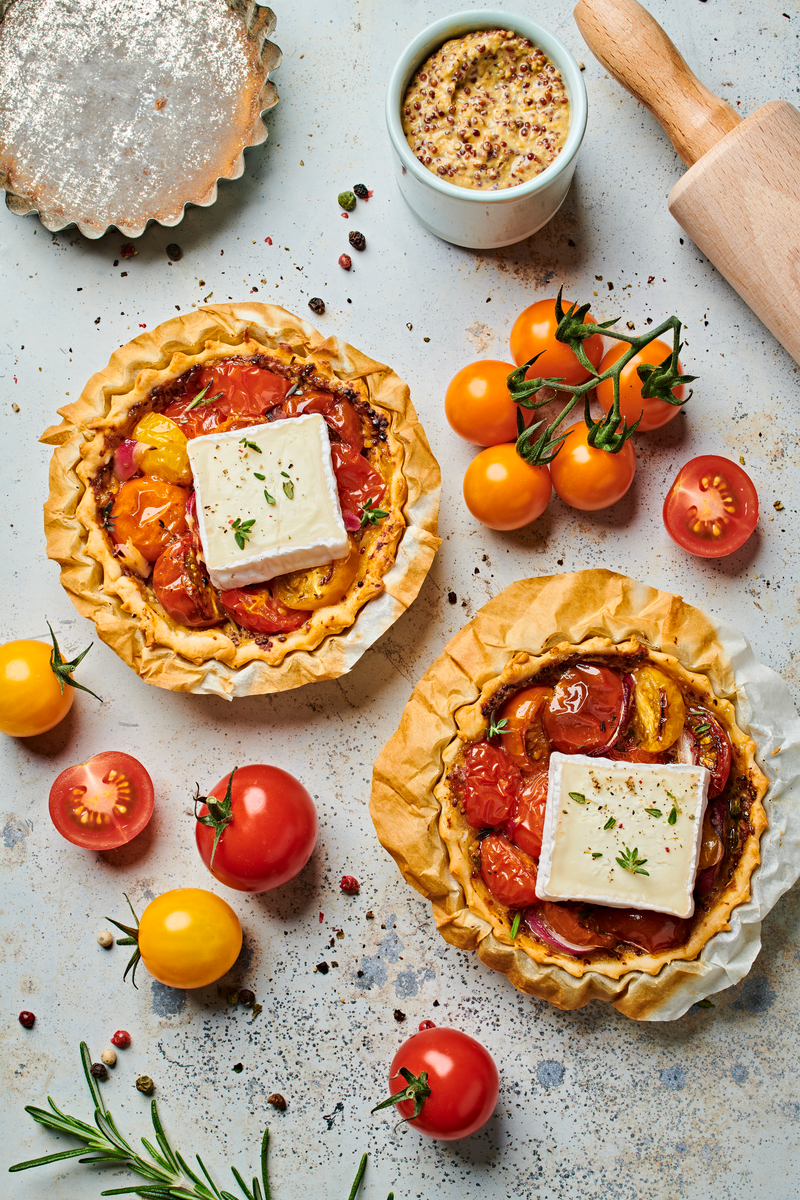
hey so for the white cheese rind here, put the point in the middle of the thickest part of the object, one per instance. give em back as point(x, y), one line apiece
point(579, 855)
point(304, 531)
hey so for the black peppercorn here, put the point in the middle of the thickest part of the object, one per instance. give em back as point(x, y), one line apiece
point(362, 191)
point(247, 997)
point(99, 1071)
point(357, 240)
point(317, 305)
point(174, 252)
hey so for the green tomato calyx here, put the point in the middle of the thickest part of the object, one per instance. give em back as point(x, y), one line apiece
point(219, 814)
point(63, 670)
point(132, 939)
point(417, 1090)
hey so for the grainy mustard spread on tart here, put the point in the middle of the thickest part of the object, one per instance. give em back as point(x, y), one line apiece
point(613, 673)
point(232, 493)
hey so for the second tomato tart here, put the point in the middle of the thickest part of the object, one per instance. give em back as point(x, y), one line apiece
point(240, 504)
point(590, 812)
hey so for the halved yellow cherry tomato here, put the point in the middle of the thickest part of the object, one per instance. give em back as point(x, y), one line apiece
point(168, 458)
point(189, 937)
point(31, 699)
point(503, 491)
point(659, 709)
point(319, 586)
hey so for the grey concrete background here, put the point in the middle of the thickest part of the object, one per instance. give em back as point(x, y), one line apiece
point(592, 1104)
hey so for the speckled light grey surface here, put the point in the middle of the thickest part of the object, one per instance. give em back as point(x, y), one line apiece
point(592, 1105)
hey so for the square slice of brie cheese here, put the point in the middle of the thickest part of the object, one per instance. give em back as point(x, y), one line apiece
point(622, 834)
point(233, 472)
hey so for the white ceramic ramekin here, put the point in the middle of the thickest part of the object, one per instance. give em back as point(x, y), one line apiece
point(478, 219)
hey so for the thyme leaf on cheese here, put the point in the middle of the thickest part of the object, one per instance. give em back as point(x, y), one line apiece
point(269, 499)
point(578, 797)
point(597, 854)
point(629, 861)
point(288, 488)
point(654, 812)
point(610, 823)
point(249, 445)
point(258, 475)
point(371, 514)
point(242, 530)
point(673, 815)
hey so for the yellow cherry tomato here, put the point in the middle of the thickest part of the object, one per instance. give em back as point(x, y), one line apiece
point(503, 491)
point(659, 709)
point(588, 478)
point(478, 404)
point(632, 404)
point(189, 937)
point(167, 458)
point(319, 586)
point(31, 699)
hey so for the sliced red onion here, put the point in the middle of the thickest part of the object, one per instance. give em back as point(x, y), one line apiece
point(686, 747)
point(127, 458)
point(716, 811)
point(351, 522)
point(540, 928)
point(704, 881)
point(628, 688)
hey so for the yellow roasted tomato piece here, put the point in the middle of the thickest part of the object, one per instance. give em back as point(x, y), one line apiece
point(319, 586)
point(167, 458)
point(659, 710)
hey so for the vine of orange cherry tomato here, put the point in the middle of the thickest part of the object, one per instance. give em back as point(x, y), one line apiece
point(589, 478)
point(503, 491)
point(650, 411)
point(534, 332)
point(712, 507)
point(102, 803)
point(187, 938)
point(445, 1083)
point(256, 829)
point(36, 686)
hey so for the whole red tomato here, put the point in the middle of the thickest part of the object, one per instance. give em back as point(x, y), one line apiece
point(462, 1083)
point(102, 803)
point(265, 826)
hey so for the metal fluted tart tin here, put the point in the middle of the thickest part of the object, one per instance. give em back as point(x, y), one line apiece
point(121, 112)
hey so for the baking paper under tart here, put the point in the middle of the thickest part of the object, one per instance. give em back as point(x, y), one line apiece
point(598, 611)
point(123, 607)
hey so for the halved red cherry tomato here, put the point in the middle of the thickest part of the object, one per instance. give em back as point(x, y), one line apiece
point(357, 481)
point(183, 588)
point(650, 931)
point(271, 835)
point(535, 330)
point(632, 404)
point(462, 1078)
point(586, 707)
point(503, 491)
point(232, 394)
point(712, 507)
point(148, 513)
point(569, 919)
point(508, 872)
point(713, 750)
point(523, 737)
point(102, 803)
point(478, 405)
point(490, 786)
point(588, 478)
point(527, 824)
point(259, 610)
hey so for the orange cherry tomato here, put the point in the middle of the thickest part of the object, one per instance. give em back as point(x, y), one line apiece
point(523, 713)
point(147, 512)
point(478, 405)
point(535, 330)
point(503, 491)
point(632, 404)
point(588, 478)
point(189, 937)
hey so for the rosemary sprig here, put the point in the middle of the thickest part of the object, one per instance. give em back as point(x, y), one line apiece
point(168, 1175)
point(200, 399)
point(612, 431)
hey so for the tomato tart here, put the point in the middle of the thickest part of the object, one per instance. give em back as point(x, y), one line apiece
point(607, 677)
point(240, 504)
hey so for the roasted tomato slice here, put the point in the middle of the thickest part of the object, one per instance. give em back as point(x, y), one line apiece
point(525, 827)
point(658, 709)
point(229, 395)
point(711, 848)
point(523, 738)
point(509, 873)
point(259, 610)
point(650, 931)
point(102, 803)
point(318, 587)
point(490, 786)
point(339, 413)
point(713, 750)
point(183, 587)
point(358, 481)
point(572, 922)
point(712, 507)
point(148, 513)
point(585, 709)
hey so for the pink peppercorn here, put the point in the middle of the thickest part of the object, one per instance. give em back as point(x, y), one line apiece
point(426, 1025)
point(121, 1038)
point(345, 261)
point(27, 1019)
point(350, 885)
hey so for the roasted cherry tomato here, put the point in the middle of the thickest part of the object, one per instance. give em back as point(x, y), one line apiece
point(651, 931)
point(462, 1083)
point(534, 331)
point(259, 610)
point(711, 848)
point(478, 405)
point(584, 712)
point(102, 803)
point(229, 395)
point(658, 709)
point(712, 507)
point(632, 404)
point(526, 826)
point(267, 824)
point(166, 457)
point(338, 412)
point(183, 588)
point(317, 587)
point(357, 481)
point(712, 748)
point(570, 921)
point(189, 938)
point(490, 785)
point(148, 513)
point(502, 491)
point(508, 872)
point(587, 478)
point(523, 736)
point(32, 700)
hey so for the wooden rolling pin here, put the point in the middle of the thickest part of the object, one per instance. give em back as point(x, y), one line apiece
point(740, 199)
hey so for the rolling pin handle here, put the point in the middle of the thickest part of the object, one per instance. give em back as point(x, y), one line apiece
point(634, 48)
